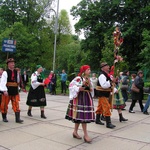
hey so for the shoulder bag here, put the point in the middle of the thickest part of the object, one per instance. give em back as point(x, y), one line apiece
point(134, 88)
point(124, 87)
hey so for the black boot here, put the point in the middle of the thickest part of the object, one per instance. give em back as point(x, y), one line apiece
point(121, 118)
point(17, 115)
point(4, 117)
point(29, 113)
point(103, 118)
point(108, 123)
point(42, 114)
point(98, 120)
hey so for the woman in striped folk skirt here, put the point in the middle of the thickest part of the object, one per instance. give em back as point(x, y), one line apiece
point(118, 102)
point(81, 108)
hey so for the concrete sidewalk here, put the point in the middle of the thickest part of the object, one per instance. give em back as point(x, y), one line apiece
point(55, 133)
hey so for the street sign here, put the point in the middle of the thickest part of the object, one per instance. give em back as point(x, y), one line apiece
point(9, 45)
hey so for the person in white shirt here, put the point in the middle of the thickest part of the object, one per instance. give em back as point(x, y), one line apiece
point(104, 91)
point(36, 96)
point(1, 71)
point(81, 108)
point(9, 87)
point(94, 82)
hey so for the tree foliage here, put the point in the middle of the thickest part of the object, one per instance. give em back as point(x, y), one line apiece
point(23, 20)
point(97, 18)
point(145, 53)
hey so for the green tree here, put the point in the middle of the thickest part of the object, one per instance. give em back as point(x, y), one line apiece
point(64, 41)
point(26, 44)
point(145, 53)
point(8, 12)
point(98, 18)
point(34, 37)
point(64, 23)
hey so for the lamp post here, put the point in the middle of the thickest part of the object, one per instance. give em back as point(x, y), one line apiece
point(55, 32)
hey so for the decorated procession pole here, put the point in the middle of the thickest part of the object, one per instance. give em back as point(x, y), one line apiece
point(118, 40)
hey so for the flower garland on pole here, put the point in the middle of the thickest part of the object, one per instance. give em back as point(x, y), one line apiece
point(118, 40)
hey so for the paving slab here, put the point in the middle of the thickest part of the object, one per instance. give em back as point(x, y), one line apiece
point(113, 143)
point(55, 132)
point(41, 144)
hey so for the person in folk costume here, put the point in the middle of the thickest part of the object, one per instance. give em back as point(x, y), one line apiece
point(118, 102)
point(36, 96)
point(50, 85)
point(9, 87)
point(104, 90)
point(1, 72)
point(81, 108)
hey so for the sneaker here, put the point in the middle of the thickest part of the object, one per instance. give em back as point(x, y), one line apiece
point(146, 113)
point(131, 111)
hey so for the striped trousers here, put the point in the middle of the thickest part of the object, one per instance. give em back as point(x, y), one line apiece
point(103, 106)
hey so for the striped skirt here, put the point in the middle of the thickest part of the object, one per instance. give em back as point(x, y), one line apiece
point(118, 102)
point(81, 109)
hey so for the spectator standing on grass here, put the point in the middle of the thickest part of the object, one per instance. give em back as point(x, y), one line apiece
point(63, 82)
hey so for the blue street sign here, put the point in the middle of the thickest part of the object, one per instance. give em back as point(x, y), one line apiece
point(9, 45)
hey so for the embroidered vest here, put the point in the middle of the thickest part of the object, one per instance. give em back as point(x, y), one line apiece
point(12, 78)
point(103, 93)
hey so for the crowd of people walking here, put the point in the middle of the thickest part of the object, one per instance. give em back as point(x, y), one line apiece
point(111, 92)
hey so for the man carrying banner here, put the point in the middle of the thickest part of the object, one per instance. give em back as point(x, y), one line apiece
point(9, 87)
point(104, 90)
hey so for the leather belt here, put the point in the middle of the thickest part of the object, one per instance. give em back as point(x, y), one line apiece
point(99, 88)
point(14, 84)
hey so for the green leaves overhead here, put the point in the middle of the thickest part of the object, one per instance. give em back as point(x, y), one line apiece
point(97, 18)
point(35, 35)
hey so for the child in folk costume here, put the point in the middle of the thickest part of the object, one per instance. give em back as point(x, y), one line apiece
point(36, 96)
point(81, 108)
point(118, 102)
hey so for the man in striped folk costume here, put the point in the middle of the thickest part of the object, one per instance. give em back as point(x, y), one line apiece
point(104, 91)
point(9, 87)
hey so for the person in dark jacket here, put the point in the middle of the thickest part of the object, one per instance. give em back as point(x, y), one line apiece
point(25, 79)
point(139, 83)
point(53, 84)
point(125, 81)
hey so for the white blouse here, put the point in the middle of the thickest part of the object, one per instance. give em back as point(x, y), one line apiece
point(74, 86)
point(34, 82)
point(103, 82)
